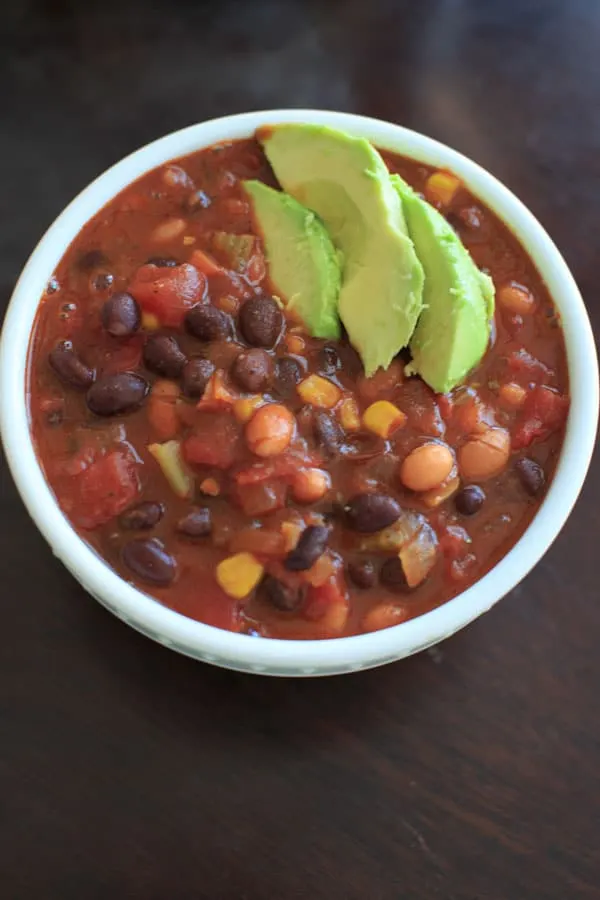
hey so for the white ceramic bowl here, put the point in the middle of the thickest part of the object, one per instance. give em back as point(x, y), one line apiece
point(277, 657)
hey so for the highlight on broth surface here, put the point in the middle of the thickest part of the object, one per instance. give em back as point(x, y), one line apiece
point(211, 428)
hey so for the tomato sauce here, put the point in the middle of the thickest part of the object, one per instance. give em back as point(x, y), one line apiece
point(218, 457)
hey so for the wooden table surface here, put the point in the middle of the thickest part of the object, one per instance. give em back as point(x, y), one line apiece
point(471, 771)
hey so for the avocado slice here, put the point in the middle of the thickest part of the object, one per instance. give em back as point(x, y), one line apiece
point(303, 264)
point(345, 181)
point(453, 330)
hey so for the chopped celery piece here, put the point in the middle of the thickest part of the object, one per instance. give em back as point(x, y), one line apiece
point(235, 250)
point(168, 456)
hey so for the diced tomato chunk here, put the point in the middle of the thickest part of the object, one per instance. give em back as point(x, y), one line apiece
point(445, 405)
point(96, 490)
point(285, 467)
point(261, 498)
point(256, 267)
point(168, 292)
point(544, 411)
point(472, 415)
point(217, 394)
point(523, 363)
point(419, 403)
point(327, 604)
point(206, 264)
point(214, 442)
point(454, 541)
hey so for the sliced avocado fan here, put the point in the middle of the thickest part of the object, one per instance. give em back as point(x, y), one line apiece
point(303, 264)
point(453, 331)
point(345, 181)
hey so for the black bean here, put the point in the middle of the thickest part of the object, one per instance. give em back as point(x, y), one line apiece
point(196, 375)
point(260, 321)
point(531, 475)
point(90, 260)
point(209, 323)
point(368, 513)
point(252, 370)
point(288, 372)
point(114, 394)
point(328, 433)
point(469, 500)
point(197, 523)
point(392, 576)
point(328, 360)
point(162, 262)
point(362, 573)
point(282, 596)
point(309, 548)
point(143, 516)
point(197, 200)
point(163, 355)
point(121, 315)
point(148, 559)
point(69, 367)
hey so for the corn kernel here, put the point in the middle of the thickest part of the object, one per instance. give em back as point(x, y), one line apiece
point(349, 414)
point(189, 239)
point(441, 187)
point(210, 487)
point(150, 322)
point(245, 407)
point(238, 575)
point(318, 391)
point(295, 344)
point(383, 418)
point(291, 532)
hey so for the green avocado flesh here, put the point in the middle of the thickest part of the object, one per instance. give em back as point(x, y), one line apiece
point(303, 264)
point(345, 181)
point(453, 331)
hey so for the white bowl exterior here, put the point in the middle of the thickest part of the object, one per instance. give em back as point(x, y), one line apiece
point(279, 657)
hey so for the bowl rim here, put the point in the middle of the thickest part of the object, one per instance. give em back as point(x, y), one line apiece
point(282, 656)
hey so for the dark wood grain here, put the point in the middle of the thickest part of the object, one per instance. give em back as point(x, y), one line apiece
point(467, 772)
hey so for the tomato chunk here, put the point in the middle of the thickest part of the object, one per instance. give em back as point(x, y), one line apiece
point(544, 411)
point(261, 498)
point(327, 604)
point(523, 363)
point(214, 442)
point(168, 292)
point(285, 467)
point(100, 489)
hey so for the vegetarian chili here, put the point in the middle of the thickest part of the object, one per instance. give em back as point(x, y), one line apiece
point(250, 476)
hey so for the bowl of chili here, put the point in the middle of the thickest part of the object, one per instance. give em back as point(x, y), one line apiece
point(240, 491)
